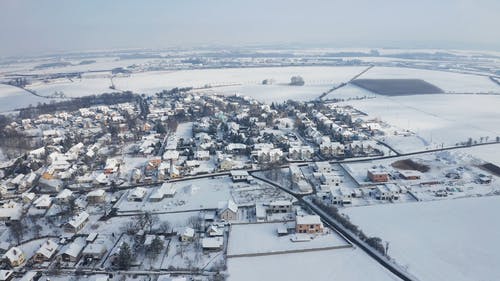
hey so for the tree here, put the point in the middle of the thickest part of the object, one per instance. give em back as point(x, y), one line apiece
point(195, 222)
point(124, 257)
point(17, 230)
point(155, 248)
point(165, 227)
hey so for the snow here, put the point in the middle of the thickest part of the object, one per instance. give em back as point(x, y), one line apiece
point(438, 119)
point(447, 81)
point(184, 130)
point(74, 88)
point(446, 240)
point(13, 98)
point(263, 238)
point(487, 153)
point(341, 264)
point(191, 195)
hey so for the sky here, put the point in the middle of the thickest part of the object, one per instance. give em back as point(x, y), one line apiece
point(36, 27)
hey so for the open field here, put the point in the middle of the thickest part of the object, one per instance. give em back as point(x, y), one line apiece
point(340, 264)
point(447, 240)
point(397, 87)
point(438, 119)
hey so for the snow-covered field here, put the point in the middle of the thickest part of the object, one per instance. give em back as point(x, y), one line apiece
point(489, 153)
point(341, 264)
point(439, 119)
point(263, 238)
point(447, 81)
point(12, 98)
point(73, 88)
point(438, 241)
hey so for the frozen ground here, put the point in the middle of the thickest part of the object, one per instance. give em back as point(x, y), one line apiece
point(263, 238)
point(341, 264)
point(447, 81)
point(13, 98)
point(73, 88)
point(454, 240)
point(438, 119)
point(489, 153)
point(191, 195)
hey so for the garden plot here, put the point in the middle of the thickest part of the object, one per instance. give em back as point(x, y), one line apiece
point(248, 194)
point(342, 264)
point(191, 195)
point(263, 238)
point(447, 240)
point(438, 119)
point(189, 255)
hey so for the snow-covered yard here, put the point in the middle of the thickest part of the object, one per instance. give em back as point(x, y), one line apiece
point(446, 240)
point(190, 195)
point(263, 238)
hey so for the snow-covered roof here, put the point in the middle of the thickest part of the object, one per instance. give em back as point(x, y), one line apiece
point(13, 254)
point(239, 173)
point(79, 219)
point(309, 219)
point(47, 249)
point(212, 242)
point(65, 193)
point(96, 193)
point(5, 274)
point(188, 232)
point(74, 248)
point(137, 193)
point(228, 205)
point(43, 201)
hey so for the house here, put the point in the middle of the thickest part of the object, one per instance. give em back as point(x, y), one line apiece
point(214, 230)
point(6, 275)
point(28, 197)
point(15, 257)
point(95, 250)
point(331, 179)
point(387, 192)
point(202, 155)
point(340, 196)
point(64, 196)
point(137, 194)
point(73, 252)
point(212, 243)
point(11, 211)
point(112, 166)
point(239, 175)
point(96, 196)
point(166, 190)
point(77, 222)
point(50, 185)
point(43, 202)
point(410, 174)
point(280, 206)
point(187, 234)
point(322, 167)
point(228, 210)
point(45, 252)
point(308, 224)
point(378, 174)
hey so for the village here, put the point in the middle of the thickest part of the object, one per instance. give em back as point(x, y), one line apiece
point(173, 186)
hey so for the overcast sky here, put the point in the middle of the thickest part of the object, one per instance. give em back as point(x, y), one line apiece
point(36, 26)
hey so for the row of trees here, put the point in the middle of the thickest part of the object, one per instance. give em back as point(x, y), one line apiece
point(374, 242)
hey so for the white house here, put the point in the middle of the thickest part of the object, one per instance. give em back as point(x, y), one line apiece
point(228, 210)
